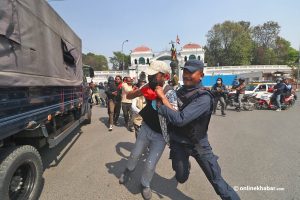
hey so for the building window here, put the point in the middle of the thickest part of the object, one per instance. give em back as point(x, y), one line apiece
point(199, 58)
point(142, 60)
point(185, 58)
point(192, 57)
point(135, 61)
point(148, 62)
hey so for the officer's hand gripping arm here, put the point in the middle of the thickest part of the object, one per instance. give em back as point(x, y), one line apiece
point(197, 108)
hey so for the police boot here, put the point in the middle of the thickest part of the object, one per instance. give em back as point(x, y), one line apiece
point(146, 192)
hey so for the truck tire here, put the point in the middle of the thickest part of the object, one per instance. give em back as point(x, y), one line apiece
point(21, 172)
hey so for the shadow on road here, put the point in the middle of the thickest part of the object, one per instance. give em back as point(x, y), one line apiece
point(104, 120)
point(159, 185)
point(124, 145)
point(57, 153)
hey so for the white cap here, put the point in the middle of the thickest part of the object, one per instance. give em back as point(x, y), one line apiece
point(157, 66)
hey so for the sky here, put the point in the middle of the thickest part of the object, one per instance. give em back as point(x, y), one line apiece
point(103, 25)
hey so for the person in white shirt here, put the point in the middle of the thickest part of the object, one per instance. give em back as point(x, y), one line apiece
point(137, 105)
point(126, 103)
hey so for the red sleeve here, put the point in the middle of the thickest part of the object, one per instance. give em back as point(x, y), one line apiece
point(149, 93)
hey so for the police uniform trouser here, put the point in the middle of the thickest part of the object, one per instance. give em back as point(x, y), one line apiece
point(203, 154)
point(127, 112)
point(117, 111)
point(111, 109)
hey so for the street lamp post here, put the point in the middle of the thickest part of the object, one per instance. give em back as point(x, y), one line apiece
point(123, 56)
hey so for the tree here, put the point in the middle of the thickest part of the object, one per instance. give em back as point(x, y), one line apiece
point(117, 60)
point(245, 24)
point(281, 50)
point(265, 38)
point(237, 43)
point(229, 43)
point(265, 35)
point(293, 61)
point(293, 56)
point(98, 62)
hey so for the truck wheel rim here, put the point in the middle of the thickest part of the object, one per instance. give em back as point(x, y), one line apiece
point(22, 181)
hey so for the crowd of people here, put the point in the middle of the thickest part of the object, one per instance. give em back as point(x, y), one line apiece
point(161, 113)
point(281, 90)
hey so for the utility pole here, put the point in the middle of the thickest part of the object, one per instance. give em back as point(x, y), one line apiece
point(123, 57)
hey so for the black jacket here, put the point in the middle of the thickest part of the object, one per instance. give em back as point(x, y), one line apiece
point(219, 91)
point(280, 88)
point(111, 87)
point(191, 122)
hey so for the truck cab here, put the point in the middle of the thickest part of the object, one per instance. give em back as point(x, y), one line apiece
point(44, 94)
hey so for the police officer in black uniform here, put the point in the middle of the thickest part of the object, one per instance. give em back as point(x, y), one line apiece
point(189, 135)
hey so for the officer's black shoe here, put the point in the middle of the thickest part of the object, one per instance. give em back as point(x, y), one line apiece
point(190, 165)
point(146, 193)
point(223, 114)
point(124, 176)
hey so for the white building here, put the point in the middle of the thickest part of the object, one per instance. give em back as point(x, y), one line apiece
point(143, 55)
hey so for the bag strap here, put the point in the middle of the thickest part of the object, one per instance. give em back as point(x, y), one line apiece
point(190, 96)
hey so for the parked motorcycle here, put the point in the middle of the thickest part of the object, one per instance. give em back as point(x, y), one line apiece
point(268, 101)
point(248, 101)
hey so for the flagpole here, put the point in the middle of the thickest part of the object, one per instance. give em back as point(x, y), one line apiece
point(178, 67)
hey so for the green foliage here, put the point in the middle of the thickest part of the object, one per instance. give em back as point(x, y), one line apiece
point(265, 35)
point(98, 62)
point(117, 60)
point(267, 44)
point(237, 43)
point(229, 43)
point(293, 56)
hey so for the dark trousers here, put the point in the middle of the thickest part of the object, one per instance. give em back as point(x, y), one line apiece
point(204, 156)
point(222, 101)
point(127, 112)
point(117, 111)
point(110, 110)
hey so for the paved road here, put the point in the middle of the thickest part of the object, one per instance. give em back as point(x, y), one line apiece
point(258, 148)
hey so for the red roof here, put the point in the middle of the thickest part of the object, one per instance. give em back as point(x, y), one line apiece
point(191, 46)
point(141, 49)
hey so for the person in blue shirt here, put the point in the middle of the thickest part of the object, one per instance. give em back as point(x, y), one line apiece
point(288, 88)
point(190, 125)
point(278, 91)
point(220, 91)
